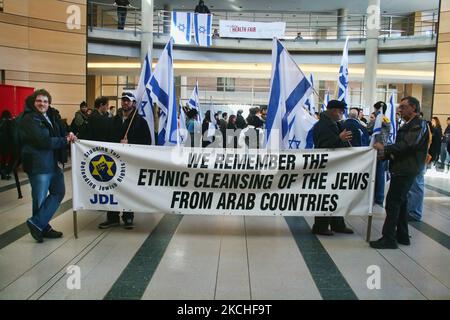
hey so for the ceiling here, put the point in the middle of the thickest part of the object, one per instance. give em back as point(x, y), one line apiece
point(354, 6)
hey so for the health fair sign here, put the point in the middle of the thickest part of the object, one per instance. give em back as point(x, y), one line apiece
point(252, 30)
point(156, 179)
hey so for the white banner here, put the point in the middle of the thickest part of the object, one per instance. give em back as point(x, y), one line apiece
point(110, 176)
point(253, 30)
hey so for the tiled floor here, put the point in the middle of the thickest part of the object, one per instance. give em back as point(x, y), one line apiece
point(220, 257)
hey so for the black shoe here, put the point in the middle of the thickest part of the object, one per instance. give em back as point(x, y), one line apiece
point(383, 243)
point(404, 240)
point(53, 234)
point(343, 230)
point(324, 232)
point(108, 224)
point(128, 224)
point(410, 219)
point(35, 232)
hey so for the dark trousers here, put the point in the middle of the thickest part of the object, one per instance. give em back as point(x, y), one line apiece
point(322, 223)
point(396, 223)
point(113, 216)
point(121, 17)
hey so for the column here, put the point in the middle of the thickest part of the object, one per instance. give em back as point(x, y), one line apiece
point(441, 108)
point(342, 27)
point(371, 56)
point(146, 27)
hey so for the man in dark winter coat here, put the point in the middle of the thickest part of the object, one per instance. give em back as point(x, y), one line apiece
point(328, 133)
point(407, 156)
point(138, 133)
point(44, 142)
point(98, 126)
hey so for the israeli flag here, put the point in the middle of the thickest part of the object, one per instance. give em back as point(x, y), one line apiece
point(180, 27)
point(144, 101)
point(203, 29)
point(326, 99)
point(162, 89)
point(289, 89)
point(310, 104)
point(390, 114)
point(377, 127)
point(301, 130)
point(343, 78)
point(182, 132)
point(194, 102)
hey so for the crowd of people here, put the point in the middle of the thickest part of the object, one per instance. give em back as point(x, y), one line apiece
point(43, 140)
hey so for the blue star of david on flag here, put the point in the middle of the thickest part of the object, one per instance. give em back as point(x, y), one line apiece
point(294, 142)
point(201, 29)
point(181, 27)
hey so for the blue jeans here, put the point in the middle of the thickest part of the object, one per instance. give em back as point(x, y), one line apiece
point(47, 192)
point(416, 195)
point(121, 17)
point(380, 181)
point(447, 159)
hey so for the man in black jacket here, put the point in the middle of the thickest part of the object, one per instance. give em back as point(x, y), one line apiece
point(407, 156)
point(136, 133)
point(201, 8)
point(329, 133)
point(44, 140)
point(98, 125)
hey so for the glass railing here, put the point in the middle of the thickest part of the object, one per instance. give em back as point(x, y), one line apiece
point(311, 26)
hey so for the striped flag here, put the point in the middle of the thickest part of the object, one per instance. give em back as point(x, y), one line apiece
point(310, 103)
point(162, 89)
point(180, 27)
point(343, 78)
point(289, 89)
point(390, 114)
point(326, 99)
point(194, 102)
point(203, 29)
point(144, 101)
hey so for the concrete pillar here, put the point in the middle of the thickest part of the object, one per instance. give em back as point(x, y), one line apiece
point(371, 56)
point(147, 28)
point(166, 18)
point(342, 27)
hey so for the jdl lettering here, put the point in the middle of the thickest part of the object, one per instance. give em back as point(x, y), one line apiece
point(103, 199)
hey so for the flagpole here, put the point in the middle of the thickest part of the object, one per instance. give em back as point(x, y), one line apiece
point(128, 129)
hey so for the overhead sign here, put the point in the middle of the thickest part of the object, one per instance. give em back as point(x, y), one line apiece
point(251, 30)
point(206, 181)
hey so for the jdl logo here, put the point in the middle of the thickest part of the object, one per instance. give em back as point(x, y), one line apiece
point(74, 279)
point(374, 280)
point(103, 199)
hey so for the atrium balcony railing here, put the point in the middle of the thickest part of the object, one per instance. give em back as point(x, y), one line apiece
point(311, 25)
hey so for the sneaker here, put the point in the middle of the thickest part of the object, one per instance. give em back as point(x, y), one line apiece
point(108, 224)
point(325, 232)
point(383, 243)
point(53, 234)
point(35, 232)
point(128, 224)
point(378, 209)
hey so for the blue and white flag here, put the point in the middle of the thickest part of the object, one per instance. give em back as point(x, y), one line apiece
point(390, 114)
point(182, 133)
point(301, 130)
point(195, 104)
point(310, 104)
point(162, 88)
point(203, 29)
point(343, 79)
point(180, 27)
point(144, 101)
point(289, 89)
point(326, 99)
point(377, 127)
